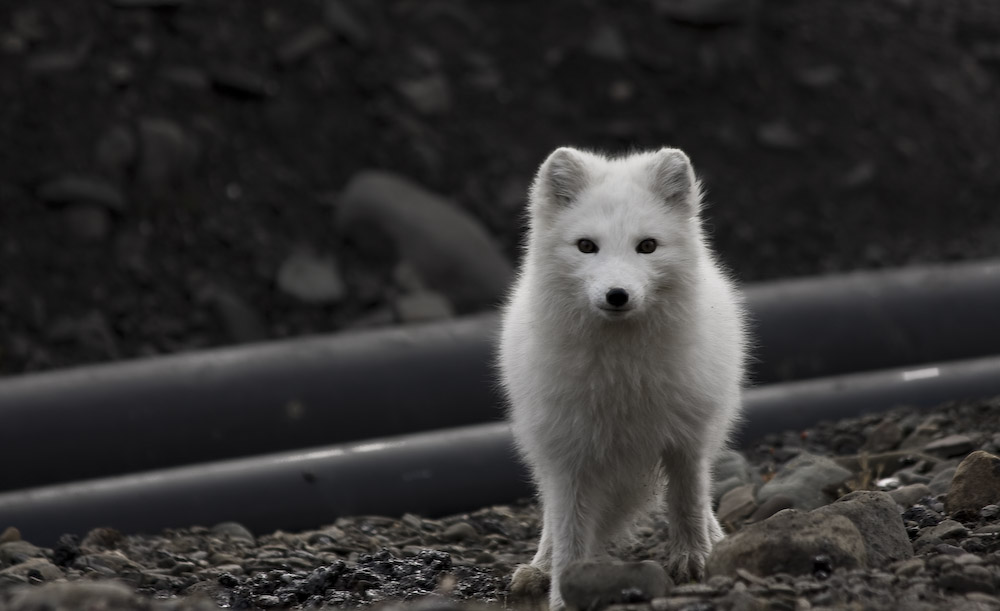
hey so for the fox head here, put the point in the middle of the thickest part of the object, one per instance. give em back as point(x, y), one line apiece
point(615, 237)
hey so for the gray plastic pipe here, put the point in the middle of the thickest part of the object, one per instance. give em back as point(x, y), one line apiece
point(432, 474)
point(204, 406)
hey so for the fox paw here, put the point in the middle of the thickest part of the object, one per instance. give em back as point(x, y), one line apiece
point(529, 583)
point(684, 566)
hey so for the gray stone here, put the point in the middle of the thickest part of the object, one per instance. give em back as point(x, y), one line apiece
point(594, 585)
point(341, 19)
point(422, 306)
point(805, 479)
point(429, 95)
point(950, 446)
point(947, 529)
point(884, 437)
point(972, 579)
point(771, 506)
point(453, 253)
point(33, 569)
point(607, 43)
point(789, 542)
point(460, 531)
point(77, 595)
point(311, 278)
point(705, 12)
point(941, 482)
point(80, 189)
point(109, 563)
point(906, 496)
point(877, 518)
point(167, 153)
point(976, 483)
point(14, 552)
point(730, 469)
point(233, 530)
point(737, 505)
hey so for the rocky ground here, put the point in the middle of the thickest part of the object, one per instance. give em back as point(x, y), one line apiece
point(916, 526)
point(176, 175)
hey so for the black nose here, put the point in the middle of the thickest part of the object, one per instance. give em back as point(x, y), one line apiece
point(617, 297)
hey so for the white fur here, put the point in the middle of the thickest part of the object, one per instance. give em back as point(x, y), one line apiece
point(604, 404)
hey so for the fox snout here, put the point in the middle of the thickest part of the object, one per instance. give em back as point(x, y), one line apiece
point(616, 297)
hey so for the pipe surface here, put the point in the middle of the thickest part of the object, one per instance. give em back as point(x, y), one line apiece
point(203, 406)
point(432, 474)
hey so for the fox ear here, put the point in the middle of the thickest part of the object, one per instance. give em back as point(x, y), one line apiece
point(673, 177)
point(561, 177)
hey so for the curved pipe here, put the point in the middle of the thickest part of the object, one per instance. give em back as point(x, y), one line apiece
point(217, 404)
point(433, 474)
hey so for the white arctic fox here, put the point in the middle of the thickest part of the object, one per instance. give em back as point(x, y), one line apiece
point(622, 356)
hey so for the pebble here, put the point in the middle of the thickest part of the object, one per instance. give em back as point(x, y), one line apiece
point(950, 446)
point(311, 278)
point(941, 482)
point(303, 44)
point(975, 484)
point(730, 469)
point(429, 95)
point(82, 189)
point(805, 480)
point(737, 504)
point(770, 507)
point(167, 153)
point(779, 135)
point(460, 531)
point(10, 534)
point(234, 530)
point(908, 495)
point(877, 518)
point(608, 44)
point(594, 585)
point(884, 437)
point(452, 252)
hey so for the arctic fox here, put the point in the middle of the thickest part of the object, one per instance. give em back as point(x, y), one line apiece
point(622, 356)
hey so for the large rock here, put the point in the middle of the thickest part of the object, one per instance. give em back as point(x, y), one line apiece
point(976, 484)
point(790, 542)
point(595, 585)
point(877, 518)
point(805, 479)
point(451, 251)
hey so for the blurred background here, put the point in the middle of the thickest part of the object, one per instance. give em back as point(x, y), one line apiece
point(178, 174)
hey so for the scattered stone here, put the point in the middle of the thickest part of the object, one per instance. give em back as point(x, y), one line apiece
point(607, 43)
point(10, 534)
point(877, 518)
point(805, 479)
point(771, 506)
point(941, 482)
point(311, 278)
point(790, 542)
point(950, 446)
point(779, 135)
point(705, 12)
point(460, 531)
point(16, 552)
point(429, 95)
point(243, 83)
point(731, 469)
point(595, 585)
point(33, 570)
point(906, 496)
point(234, 530)
point(342, 20)
point(737, 505)
point(908, 567)
point(972, 579)
point(67, 596)
point(303, 44)
point(452, 252)
point(976, 483)
point(884, 437)
point(167, 153)
point(422, 306)
point(82, 189)
point(947, 529)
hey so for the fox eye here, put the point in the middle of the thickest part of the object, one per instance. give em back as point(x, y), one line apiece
point(586, 246)
point(646, 246)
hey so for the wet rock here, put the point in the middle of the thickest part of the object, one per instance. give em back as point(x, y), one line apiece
point(429, 95)
point(950, 446)
point(82, 189)
point(343, 21)
point(906, 496)
point(594, 585)
point(234, 530)
point(976, 483)
point(167, 153)
point(303, 44)
point(790, 542)
point(805, 479)
point(242, 83)
point(705, 12)
point(877, 518)
point(453, 253)
point(311, 278)
point(421, 306)
point(737, 505)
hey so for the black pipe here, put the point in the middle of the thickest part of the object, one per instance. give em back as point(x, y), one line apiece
point(431, 474)
point(196, 407)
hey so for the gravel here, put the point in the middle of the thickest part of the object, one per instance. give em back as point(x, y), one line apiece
point(875, 548)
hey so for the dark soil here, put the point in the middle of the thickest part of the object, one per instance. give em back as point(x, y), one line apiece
point(831, 136)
